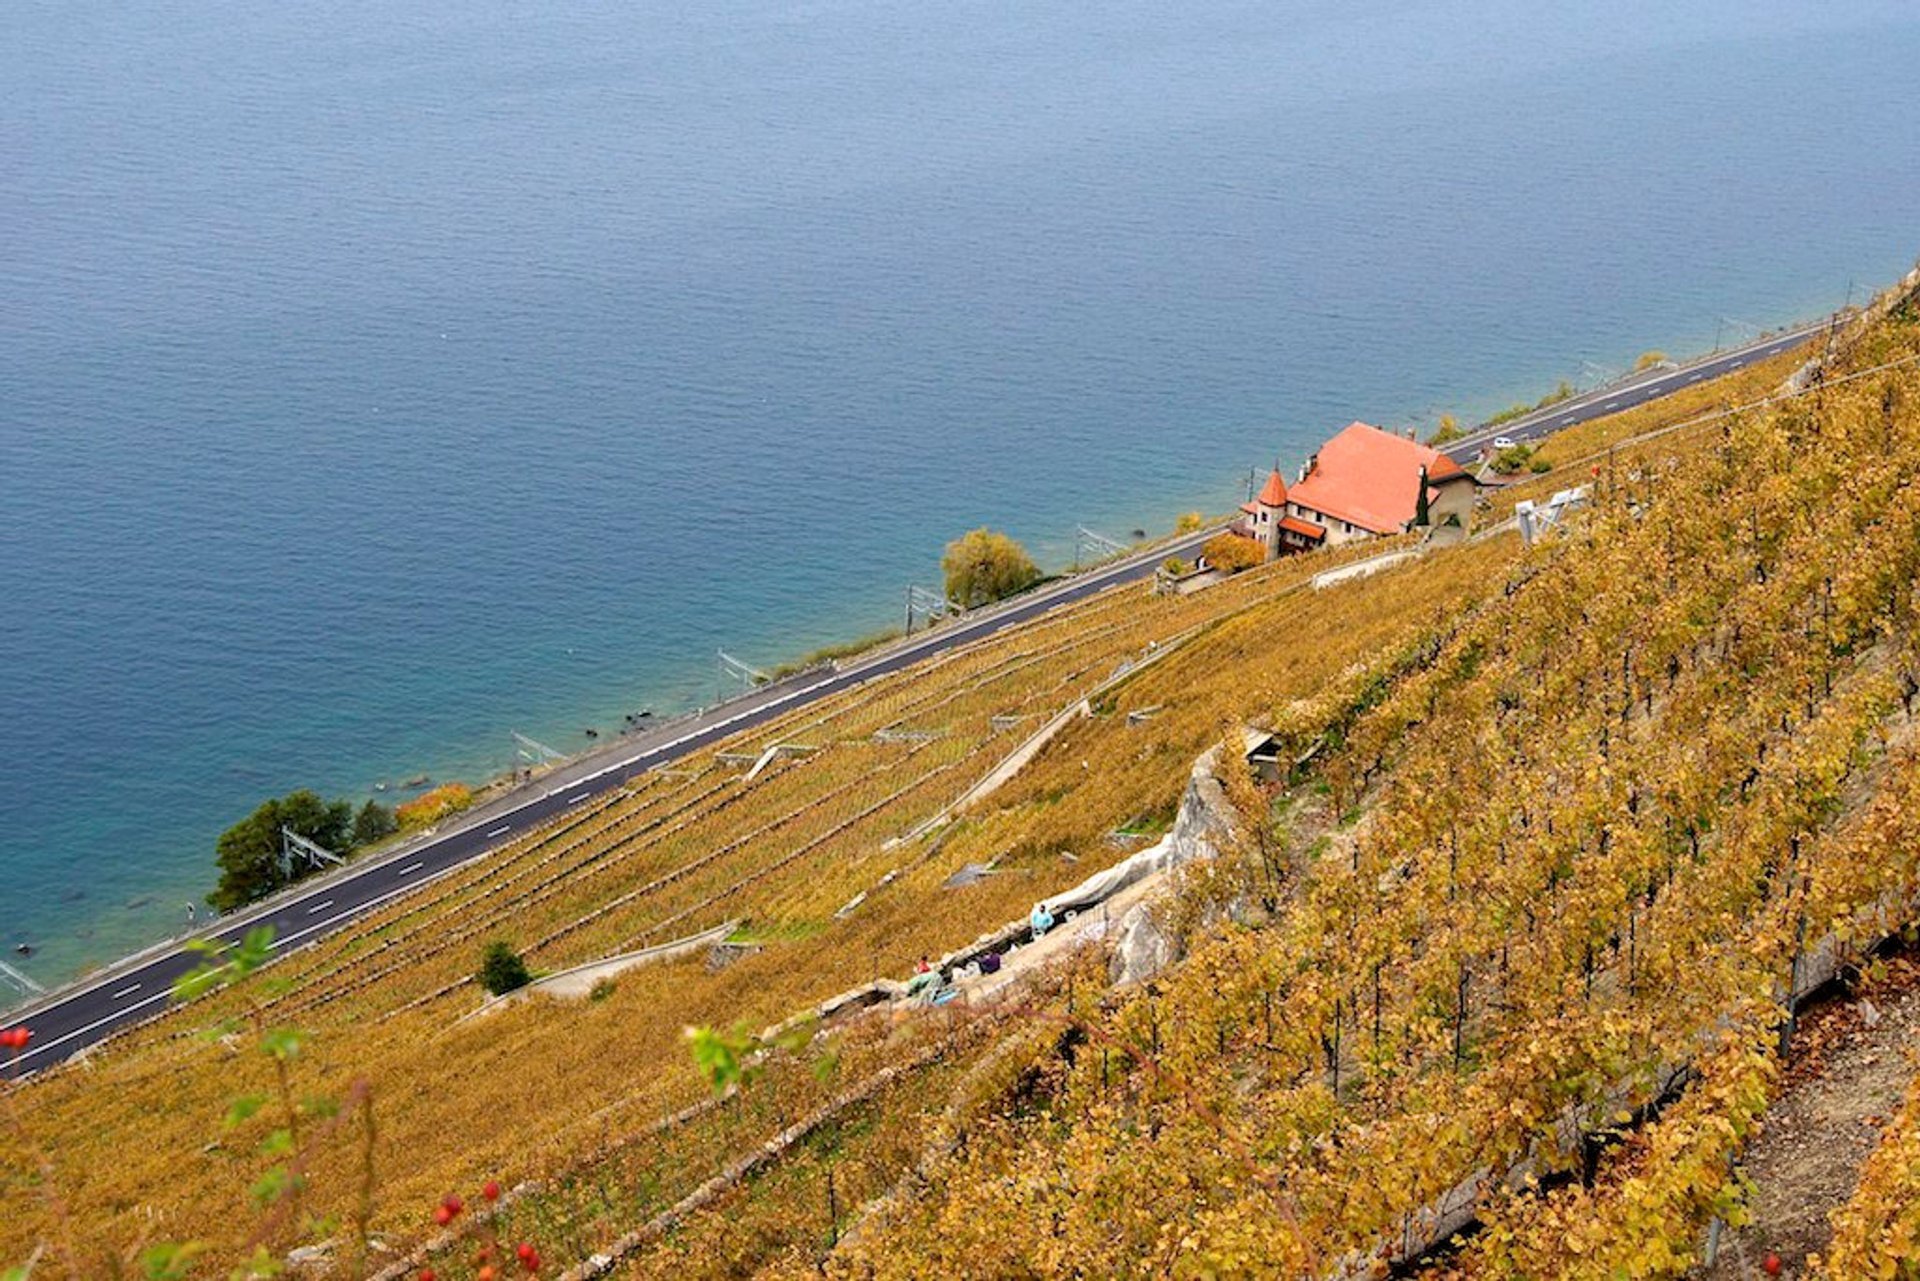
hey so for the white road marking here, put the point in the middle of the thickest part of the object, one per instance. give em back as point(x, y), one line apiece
point(320, 907)
point(43, 1047)
point(847, 679)
point(1609, 405)
point(502, 828)
point(1696, 378)
point(129, 990)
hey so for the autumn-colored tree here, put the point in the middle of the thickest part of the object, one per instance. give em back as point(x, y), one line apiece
point(1447, 432)
point(1231, 553)
point(985, 566)
point(1189, 522)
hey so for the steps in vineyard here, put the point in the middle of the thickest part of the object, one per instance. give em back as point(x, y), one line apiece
point(1848, 1068)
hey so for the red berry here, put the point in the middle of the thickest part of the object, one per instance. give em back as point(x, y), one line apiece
point(442, 1215)
point(427, 1274)
point(1772, 1264)
point(486, 1273)
point(491, 1190)
point(523, 1250)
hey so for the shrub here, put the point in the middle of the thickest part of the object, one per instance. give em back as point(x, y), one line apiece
point(1230, 553)
point(1539, 466)
point(1511, 460)
point(1175, 566)
point(502, 970)
point(1189, 522)
point(430, 807)
point(1648, 359)
point(1447, 432)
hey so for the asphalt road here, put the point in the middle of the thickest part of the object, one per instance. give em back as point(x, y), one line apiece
point(139, 987)
point(1636, 390)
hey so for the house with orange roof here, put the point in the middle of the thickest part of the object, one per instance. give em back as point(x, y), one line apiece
point(1364, 483)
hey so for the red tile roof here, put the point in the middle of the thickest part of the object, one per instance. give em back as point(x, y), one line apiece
point(1444, 468)
point(1304, 528)
point(1366, 477)
point(1250, 507)
point(1275, 492)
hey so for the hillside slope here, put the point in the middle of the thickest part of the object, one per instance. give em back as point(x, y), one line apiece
point(1541, 788)
point(1593, 834)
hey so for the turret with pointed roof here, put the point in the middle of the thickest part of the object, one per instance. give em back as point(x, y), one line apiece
point(1274, 493)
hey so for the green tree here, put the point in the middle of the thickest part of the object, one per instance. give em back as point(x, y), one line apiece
point(985, 566)
point(1189, 522)
point(248, 853)
point(374, 822)
point(1447, 432)
point(1420, 514)
point(502, 970)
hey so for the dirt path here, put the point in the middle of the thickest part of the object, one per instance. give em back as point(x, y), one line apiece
point(1845, 1074)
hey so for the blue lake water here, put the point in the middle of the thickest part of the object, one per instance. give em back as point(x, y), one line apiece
point(375, 379)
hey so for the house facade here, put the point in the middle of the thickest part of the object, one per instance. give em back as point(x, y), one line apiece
point(1363, 483)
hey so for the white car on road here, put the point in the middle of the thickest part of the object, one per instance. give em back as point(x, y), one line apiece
point(1504, 442)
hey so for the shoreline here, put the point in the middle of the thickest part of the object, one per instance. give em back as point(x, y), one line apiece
point(498, 792)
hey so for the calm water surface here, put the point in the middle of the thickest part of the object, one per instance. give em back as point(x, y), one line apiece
point(375, 380)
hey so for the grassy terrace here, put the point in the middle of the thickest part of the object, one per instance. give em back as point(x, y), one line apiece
point(573, 1099)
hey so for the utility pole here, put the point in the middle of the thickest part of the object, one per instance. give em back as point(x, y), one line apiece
point(730, 669)
point(532, 751)
point(295, 846)
point(15, 978)
point(928, 605)
point(1098, 544)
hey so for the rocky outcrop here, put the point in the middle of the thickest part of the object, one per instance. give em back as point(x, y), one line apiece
point(1141, 948)
point(1202, 826)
